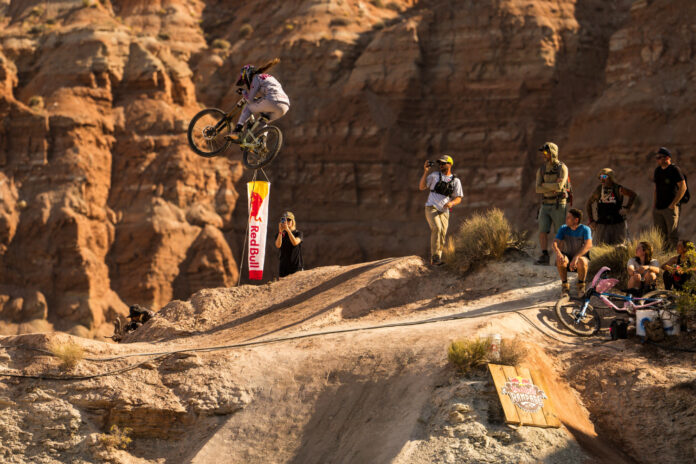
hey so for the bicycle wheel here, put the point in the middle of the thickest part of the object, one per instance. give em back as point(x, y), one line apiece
point(266, 144)
point(567, 311)
point(207, 131)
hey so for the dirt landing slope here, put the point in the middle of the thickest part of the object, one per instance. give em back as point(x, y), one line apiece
point(375, 387)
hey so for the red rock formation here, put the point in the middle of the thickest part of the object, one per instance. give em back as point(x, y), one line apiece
point(103, 203)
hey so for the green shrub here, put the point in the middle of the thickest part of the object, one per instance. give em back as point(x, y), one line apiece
point(512, 352)
point(686, 298)
point(36, 102)
point(116, 438)
point(468, 354)
point(246, 30)
point(481, 238)
point(616, 256)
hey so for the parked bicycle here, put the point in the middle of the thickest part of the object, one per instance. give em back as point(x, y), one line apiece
point(582, 318)
point(260, 142)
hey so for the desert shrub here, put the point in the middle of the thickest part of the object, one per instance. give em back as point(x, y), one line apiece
point(37, 29)
point(393, 6)
point(512, 352)
point(163, 36)
point(221, 44)
point(246, 30)
point(468, 354)
point(70, 353)
point(116, 438)
point(481, 238)
point(616, 256)
point(378, 3)
point(86, 3)
point(289, 26)
point(686, 298)
point(36, 11)
point(36, 102)
point(339, 22)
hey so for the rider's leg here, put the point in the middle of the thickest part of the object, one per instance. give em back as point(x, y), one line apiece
point(275, 110)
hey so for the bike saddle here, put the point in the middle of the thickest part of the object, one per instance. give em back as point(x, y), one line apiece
point(266, 116)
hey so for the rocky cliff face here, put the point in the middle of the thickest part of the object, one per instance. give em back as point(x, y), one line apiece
point(103, 204)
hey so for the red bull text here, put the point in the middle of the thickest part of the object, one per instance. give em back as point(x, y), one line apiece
point(258, 196)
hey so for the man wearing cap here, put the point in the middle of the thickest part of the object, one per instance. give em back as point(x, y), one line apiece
point(609, 224)
point(551, 183)
point(445, 192)
point(289, 242)
point(670, 187)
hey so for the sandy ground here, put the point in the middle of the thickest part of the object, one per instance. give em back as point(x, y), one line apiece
point(347, 364)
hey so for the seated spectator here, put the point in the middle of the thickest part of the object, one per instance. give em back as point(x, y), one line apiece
point(678, 269)
point(642, 270)
point(572, 245)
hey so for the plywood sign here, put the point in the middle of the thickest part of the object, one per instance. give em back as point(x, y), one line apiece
point(522, 394)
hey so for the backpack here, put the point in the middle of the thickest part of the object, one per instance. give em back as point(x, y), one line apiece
point(618, 329)
point(567, 193)
point(687, 196)
point(444, 188)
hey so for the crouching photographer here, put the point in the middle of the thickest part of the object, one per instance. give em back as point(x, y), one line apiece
point(289, 241)
point(445, 192)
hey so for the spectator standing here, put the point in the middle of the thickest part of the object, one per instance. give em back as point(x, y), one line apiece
point(445, 192)
point(610, 225)
point(670, 187)
point(551, 183)
point(289, 241)
point(678, 269)
point(642, 270)
point(572, 245)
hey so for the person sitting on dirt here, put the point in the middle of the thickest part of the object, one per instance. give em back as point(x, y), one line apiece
point(642, 270)
point(271, 99)
point(610, 225)
point(552, 183)
point(679, 269)
point(138, 316)
point(572, 245)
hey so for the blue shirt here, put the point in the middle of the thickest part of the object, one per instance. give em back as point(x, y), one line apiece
point(573, 240)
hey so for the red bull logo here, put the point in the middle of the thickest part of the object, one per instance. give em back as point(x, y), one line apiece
point(524, 394)
point(258, 213)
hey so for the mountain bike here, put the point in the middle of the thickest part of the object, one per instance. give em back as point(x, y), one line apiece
point(260, 142)
point(582, 318)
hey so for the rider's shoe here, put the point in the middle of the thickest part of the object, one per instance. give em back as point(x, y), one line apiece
point(236, 134)
point(565, 288)
point(581, 289)
point(543, 259)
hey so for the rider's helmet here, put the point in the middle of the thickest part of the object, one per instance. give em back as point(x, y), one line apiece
point(246, 75)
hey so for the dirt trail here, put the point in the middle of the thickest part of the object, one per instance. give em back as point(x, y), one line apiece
point(377, 389)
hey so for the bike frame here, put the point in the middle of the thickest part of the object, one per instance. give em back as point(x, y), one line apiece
point(244, 142)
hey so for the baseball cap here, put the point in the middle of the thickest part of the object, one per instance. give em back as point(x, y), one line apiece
point(289, 215)
point(607, 172)
point(550, 147)
point(446, 159)
point(664, 151)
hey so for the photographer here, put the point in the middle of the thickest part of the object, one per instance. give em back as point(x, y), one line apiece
point(445, 192)
point(289, 241)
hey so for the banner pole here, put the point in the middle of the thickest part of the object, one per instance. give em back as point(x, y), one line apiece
point(246, 234)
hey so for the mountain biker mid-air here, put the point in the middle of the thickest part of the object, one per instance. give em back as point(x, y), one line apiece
point(271, 99)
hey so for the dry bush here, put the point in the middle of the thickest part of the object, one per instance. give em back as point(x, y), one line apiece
point(481, 238)
point(616, 256)
point(378, 3)
point(36, 102)
point(339, 22)
point(512, 352)
point(394, 6)
point(468, 354)
point(70, 353)
point(116, 438)
point(246, 30)
point(163, 36)
point(221, 44)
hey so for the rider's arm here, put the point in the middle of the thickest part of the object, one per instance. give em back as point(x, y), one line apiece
point(588, 206)
point(255, 86)
point(630, 194)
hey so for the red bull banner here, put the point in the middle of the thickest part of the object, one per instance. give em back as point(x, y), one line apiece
point(258, 194)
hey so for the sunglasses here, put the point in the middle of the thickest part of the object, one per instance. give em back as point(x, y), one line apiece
point(659, 157)
point(442, 163)
point(603, 176)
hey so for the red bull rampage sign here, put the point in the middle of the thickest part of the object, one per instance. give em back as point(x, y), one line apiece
point(258, 194)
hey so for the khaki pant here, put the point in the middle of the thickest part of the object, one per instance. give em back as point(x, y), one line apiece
point(667, 222)
point(438, 223)
point(611, 234)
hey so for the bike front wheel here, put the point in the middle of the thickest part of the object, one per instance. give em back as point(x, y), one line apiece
point(568, 313)
point(207, 131)
point(262, 147)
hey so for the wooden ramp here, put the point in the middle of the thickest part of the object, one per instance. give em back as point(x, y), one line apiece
point(522, 393)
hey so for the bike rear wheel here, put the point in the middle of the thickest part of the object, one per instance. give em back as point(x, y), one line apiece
point(207, 131)
point(266, 142)
point(567, 311)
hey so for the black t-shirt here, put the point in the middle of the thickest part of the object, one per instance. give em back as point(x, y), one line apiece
point(290, 256)
point(666, 181)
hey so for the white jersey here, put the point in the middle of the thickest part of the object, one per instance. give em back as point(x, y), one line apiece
point(266, 87)
point(437, 200)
